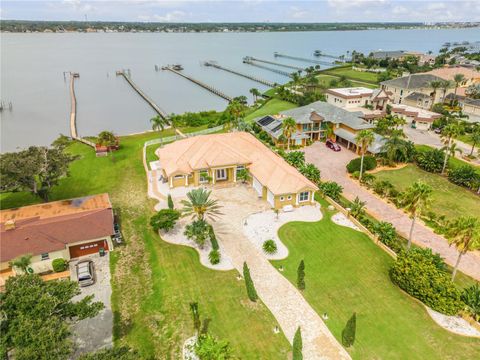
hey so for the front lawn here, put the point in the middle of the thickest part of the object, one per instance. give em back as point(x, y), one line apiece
point(351, 74)
point(271, 107)
point(153, 282)
point(345, 273)
point(447, 199)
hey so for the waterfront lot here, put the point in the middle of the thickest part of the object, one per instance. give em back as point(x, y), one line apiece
point(345, 273)
point(351, 74)
point(272, 107)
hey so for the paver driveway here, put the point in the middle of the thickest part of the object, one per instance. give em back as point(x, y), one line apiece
point(284, 301)
point(332, 167)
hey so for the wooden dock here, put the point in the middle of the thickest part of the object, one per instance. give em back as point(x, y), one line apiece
point(253, 78)
point(200, 83)
point(73, 113)
point(313, 61)
point(247, 60)
point(251, 59)
point(149, 101)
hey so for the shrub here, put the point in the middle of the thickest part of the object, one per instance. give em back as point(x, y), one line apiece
point(382, 187)
point(357, 207)
point(301, 276)
point(331, 189)
point(213, 238)
point(388, 235)
point(311, 172)
point(356, 175)
point(421, 274)
point(251, 292)
point(297, 345)
point(430, 160)
point(165, 219)
point(369, 163)
point(198, 231)
point(348, 333)
point(59, 265)
point(464, 175)
point(170, 202)
point(195, 316)
point(471, 298)
point(270, 247)
point(208, 348)
point(214, 257)
point(367, 179)
point(295, 158)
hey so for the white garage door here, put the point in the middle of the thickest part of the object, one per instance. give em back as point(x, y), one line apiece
point(271, 198)
point(257, 185)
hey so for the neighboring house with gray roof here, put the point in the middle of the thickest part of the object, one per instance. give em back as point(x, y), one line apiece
point(402, 87)
point(312, 122)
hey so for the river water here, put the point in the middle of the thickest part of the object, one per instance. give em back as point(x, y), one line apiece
point(32, 79)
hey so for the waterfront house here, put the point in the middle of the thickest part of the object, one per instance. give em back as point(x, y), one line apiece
point(471, 76)
point(357, 97)
point(417, 118)
point(60, 229)
point(217, 159)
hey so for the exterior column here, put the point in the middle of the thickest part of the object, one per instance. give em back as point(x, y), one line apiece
point(234, 169)
point(186, 180)
point(296, 199)
point(213, 176)
point(171, 181)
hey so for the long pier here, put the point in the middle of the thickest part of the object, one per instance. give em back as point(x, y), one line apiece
point(73, 112)
point(246, 60)
point(251, 58)
point(149, 101)
point(319, 62)
point(261, 81)
point(200, 83)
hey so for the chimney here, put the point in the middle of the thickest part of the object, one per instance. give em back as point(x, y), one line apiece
point(10, 225)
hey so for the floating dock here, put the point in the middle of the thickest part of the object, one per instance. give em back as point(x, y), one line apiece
point(149, 101)
point(246, 60)
point(253, 78)
point(251, 59)
point(313, 61)
point(199, 83)
point(73, 112)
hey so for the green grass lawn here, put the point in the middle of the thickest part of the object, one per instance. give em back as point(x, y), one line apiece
point(354, 74)
point(154, 282)
point(271, 107)
point(452, 162)
point(447, 198)
point(325, 79)
point(345, 273)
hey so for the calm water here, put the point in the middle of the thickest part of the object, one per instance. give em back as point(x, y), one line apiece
point(32, 67)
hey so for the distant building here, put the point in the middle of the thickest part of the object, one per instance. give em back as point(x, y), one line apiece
point(356, 97)
point(448, 73)
point(470, 107)
point(401, 55)
point(416, 117)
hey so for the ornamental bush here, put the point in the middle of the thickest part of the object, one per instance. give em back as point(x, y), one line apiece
point(348, 333)
point(367, 179)
point(165, 219)
point(301, 276)
point(270, 247)
point(369, 163)
point(471, 298)
point(214, 257)
point(297, 345)
point(213, 238)
point(420, 273)
point(170, 202)
point(295, 158)
point(331, 189)
point(198, 231)
point(59, 265)
point(388, 235)
point(464, 175)
point(430, 160)
point(251, 292)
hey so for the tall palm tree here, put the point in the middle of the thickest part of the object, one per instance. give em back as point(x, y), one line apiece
point(434, 84)
point(200, 205)
point(416, 199)
point(445, 85)
point(458, 79)
point(452, 150)
point(475, 138)
point(158, 123)
point(464, 233)
point(255, 93)
point(364, 139)
point(449, 132)
point(395, 148)
point(329, 131)
point(236, 109)
point(289, 126)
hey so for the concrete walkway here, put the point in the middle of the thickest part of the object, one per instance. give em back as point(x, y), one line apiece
point(284, 301)
point(332, 167)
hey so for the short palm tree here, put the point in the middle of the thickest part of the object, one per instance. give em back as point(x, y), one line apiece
point(108, 139)
point(395, 149)
point(289, 126)
point(199, 205)
point(416, 200)
point(458, 79)
point(464, 233)
point(452, 150)
point(364, 139)
point(22, 262)
point(158, 123)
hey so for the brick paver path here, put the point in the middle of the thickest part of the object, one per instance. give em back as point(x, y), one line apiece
point(332, 167)
point(284, 301)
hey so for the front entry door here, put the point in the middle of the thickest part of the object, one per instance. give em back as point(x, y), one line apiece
point(221, 174)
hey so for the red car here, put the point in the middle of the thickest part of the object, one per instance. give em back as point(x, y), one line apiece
point(331, 145)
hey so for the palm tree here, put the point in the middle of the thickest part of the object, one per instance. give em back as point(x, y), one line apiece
point(199, 205)
point(475, 138)
point(236, 109)
point(416, 199)
point(452, 150)
point(395, 148)
point(450, 132)
point(434, 84)
point(255, 93)
point(22, 262)
point(458, 79)
point(158, 123)
point(289, 126)
point(329, 131)
point(444, 85)
point(364, 139)
point(464, 233)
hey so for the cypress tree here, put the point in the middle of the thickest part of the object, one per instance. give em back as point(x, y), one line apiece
point(301, 276)
point(348, 334)
point(195, 315)
point(297, 345)
point(251, 292)
point(170, 202)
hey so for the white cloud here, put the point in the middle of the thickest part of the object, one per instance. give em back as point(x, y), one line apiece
point(172, 16)
point(298, 13)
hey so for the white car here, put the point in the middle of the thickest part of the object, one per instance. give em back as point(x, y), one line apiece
point(85, 273)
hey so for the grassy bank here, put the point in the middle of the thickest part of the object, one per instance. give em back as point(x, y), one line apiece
point(271, 107)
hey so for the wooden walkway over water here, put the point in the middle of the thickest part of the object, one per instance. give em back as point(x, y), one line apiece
point(200, 83)
point(252, 59)
point(149, 101)
point(73, 113)
point(277, 71)
point(313, 61)
point(253, 78)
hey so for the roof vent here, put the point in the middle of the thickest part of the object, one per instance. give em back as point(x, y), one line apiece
point(10, 225)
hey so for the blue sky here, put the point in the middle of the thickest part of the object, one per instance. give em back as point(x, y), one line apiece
point(243, 10)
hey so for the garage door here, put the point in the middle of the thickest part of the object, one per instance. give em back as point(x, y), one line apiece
point(271, 198)
point(257, 185)
point(87, 249)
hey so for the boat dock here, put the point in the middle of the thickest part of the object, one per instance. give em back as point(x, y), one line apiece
point(253, 78)
point(318, 62)
point(199, 83)
point(251, 59)
point(73, 112)
point(246, 60)
point(149, 101)
point(321, 54)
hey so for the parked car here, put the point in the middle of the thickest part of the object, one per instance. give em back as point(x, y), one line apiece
point(438, 131)
point(85, 273)
point(331, 145)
